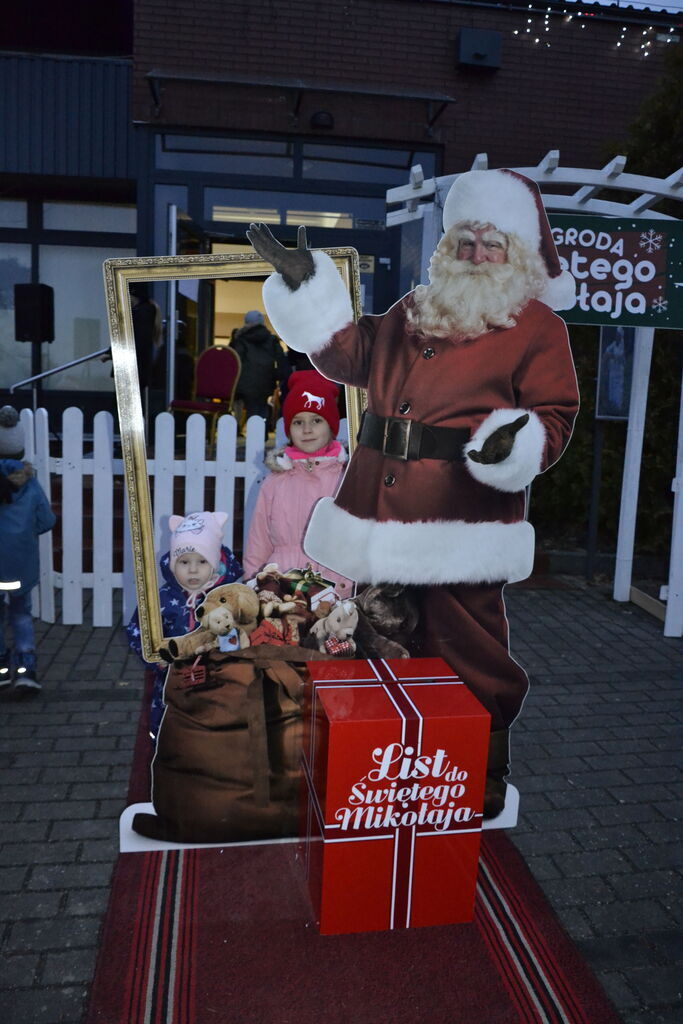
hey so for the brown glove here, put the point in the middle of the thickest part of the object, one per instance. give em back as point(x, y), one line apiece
point(295, 265)
point(499, 444)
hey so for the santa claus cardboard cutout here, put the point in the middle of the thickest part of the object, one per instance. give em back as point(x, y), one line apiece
point(471, 393)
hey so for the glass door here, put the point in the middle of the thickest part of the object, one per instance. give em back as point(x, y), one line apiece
point(189, 308)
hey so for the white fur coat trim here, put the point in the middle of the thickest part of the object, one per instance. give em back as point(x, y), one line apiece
point(524, 461)
point(422, 552)
point(307, 318)
point(559, 292)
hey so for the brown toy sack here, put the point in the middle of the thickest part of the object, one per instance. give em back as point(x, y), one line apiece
point(226, 768)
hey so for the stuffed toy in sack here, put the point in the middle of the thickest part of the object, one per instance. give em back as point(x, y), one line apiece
point(227, 615)
point(272, 596)
point(334, 633)
point(388, 617)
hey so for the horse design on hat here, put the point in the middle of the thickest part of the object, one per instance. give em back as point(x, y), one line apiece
point(313, 400)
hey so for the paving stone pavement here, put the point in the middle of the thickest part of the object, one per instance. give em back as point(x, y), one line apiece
point(596, 757)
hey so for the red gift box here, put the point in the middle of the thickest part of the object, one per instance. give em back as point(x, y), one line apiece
point(394, 768)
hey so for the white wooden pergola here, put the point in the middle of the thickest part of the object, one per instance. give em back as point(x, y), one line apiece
point(422, 199)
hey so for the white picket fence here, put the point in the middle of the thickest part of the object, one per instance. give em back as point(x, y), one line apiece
point(88, 464)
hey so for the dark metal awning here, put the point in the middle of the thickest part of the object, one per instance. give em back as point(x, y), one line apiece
point(436, 102)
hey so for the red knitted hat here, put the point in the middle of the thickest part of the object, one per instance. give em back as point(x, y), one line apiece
point(309, 391)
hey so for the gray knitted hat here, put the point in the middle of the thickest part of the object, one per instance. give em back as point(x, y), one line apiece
point(11, 434)
point(254, 316)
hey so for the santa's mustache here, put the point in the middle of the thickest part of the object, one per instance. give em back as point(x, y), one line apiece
point(457, 285)
point(449, 268)
point(483, 269)
point(465, 299)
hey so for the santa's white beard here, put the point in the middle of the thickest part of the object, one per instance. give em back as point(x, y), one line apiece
point(464, 300)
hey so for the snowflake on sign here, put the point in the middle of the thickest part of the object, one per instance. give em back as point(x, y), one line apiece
point(650, 240)
point(660, 305)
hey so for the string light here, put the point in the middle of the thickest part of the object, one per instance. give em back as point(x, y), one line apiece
point(645, 44)
point(541, 33)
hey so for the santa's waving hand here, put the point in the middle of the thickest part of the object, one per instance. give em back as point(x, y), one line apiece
point(295, 265)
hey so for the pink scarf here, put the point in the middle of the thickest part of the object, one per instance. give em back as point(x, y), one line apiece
point(330, 451)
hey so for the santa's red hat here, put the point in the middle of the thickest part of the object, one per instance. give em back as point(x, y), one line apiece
point(513, 204)
point(309, 391)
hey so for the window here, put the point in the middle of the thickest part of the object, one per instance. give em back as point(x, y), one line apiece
point(90, 217)
point(227, 156)
point(319, 219)
point(15, 268)
point(364, 164)
point(12, 213)
point(244, 214)
point(81, 326)
point(291, 158)
point(294, 208)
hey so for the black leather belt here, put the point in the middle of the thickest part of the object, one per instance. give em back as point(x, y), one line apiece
point(401, 438)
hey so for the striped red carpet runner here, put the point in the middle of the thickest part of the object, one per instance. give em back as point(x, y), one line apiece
point(225, 936)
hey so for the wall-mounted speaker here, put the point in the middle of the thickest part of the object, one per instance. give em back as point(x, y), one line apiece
point(478, 48)
point(34, 312)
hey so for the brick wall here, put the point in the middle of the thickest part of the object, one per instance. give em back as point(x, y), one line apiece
point(578, 94)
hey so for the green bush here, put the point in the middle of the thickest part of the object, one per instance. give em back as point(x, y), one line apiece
point(561, 497)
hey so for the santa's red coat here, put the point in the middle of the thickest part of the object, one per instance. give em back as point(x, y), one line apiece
point(431, 521)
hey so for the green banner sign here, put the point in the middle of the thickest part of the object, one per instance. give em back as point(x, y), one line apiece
point(627, 271)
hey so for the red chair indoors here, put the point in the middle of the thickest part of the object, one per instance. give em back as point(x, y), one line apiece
point(216, 374)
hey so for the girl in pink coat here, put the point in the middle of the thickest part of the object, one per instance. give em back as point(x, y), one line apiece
point(309, 468)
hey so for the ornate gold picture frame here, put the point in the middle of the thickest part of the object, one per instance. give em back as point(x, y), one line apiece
point(118, 275)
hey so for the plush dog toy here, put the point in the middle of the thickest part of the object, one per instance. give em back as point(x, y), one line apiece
point(227, 615)
point(334, 633)
point(391, 608)
point(387, 618)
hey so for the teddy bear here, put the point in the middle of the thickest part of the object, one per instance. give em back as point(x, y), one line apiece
point(201, 640)
point(227, 615)
point(334, 633)
point(240, 599)
point(270, 593)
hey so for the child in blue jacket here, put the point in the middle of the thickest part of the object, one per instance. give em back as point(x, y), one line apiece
point(25, 513)
point(196, 563)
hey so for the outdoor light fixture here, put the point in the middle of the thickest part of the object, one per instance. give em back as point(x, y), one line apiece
point(322, 119)
point(10, 585)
